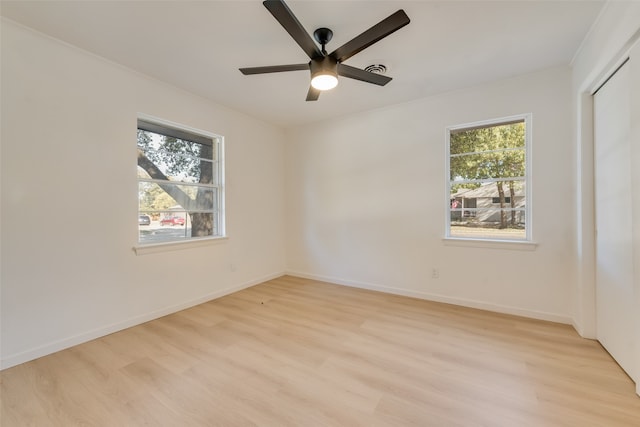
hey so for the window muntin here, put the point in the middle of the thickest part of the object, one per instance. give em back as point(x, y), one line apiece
point(487, 189)
point(179, 183)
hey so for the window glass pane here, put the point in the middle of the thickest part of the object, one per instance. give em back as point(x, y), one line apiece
point(477, 211)
point(159, 197)
point(494, 164)
point(213, 171)
point(487, 138)
point(205, 224)
point(162, 157)
point(170, 145)
point(164, 227)
point(176, 225)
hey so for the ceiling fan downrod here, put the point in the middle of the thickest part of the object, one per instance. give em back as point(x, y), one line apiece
point(323, 36)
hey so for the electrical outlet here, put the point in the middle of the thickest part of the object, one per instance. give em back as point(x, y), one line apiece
point(435, 273)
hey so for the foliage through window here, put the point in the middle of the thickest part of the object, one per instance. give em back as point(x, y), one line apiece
point(487, 180)
point(180, 192)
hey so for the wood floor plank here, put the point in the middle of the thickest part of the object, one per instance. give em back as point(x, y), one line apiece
point(298, 352)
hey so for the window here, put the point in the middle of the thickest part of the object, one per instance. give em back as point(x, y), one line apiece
point(180, 193)
point(487, 185)
point(496, 200)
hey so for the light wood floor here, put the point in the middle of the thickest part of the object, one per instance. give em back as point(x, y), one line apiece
point(296, 352)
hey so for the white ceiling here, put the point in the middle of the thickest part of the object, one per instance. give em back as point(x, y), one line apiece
point(199, 46)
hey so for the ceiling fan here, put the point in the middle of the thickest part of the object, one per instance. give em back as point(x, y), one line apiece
point(325, 68)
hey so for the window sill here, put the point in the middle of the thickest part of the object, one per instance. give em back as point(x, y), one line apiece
point(518, 245)
point(176, 246)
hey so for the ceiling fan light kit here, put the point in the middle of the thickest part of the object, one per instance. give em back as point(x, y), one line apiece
point(324, 67)
point(324, 73)
point(324, 81)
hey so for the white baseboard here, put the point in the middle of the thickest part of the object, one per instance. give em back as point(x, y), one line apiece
point(482, 305)
point(589, 335)
point(49, 348)
point(52, 347)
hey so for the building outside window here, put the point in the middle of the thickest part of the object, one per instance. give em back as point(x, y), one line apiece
point(488, 165)
point(180, 177)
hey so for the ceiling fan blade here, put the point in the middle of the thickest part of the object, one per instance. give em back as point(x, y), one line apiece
point(273, 69)
point(362, 75)
point(379, 31)
point(287, 19)
point(313, 94)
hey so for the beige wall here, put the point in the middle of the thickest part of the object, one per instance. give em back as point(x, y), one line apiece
point(366, 201)
point(358, 201)
point(69, 199)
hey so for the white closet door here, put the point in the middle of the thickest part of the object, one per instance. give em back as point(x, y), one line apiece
point(615, 297)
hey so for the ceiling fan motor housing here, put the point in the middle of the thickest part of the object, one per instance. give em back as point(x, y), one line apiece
point(323, 65)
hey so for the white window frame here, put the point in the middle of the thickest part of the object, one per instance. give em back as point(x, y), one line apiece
point(527, 118)
point(218, 153)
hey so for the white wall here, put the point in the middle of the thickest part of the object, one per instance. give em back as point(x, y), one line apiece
point(635, 183)
point(607, 44)
point(363, 206)
point(69, 199)
point(603, 48)
point(366, 194)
